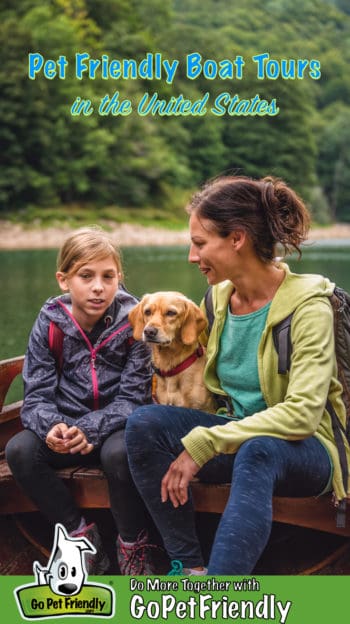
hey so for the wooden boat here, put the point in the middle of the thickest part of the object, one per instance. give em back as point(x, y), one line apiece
point(314, 519)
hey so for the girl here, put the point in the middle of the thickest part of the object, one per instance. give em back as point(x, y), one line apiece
point(76, 403)
point(277, 437)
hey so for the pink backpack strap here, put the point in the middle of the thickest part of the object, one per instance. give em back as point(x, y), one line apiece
point(56, 336)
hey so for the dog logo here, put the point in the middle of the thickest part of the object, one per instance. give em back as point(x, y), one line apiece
point(61, 588)
point(65, 572)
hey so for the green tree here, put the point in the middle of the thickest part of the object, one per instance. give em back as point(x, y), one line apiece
point(50, 156)
point(334, 161)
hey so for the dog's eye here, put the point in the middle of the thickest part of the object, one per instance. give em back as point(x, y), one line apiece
point(62, 571)
point(74, 571)
point(170, 313)
point(147, 312)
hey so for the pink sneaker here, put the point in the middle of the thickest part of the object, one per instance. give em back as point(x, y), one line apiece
point(98, 563)
point(141, 558)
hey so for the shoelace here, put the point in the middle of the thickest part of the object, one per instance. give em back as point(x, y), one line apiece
point(134, 556)
point(176, 568)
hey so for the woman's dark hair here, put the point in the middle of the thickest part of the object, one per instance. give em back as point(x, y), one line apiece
point(268, 210)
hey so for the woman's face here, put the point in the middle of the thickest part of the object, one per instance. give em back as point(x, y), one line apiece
point(213, 253)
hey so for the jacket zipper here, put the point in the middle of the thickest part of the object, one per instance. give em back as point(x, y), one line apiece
point(93, 352)
point(93, 374)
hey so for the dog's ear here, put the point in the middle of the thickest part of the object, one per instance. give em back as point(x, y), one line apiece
point(194, 323)
point(136, 320)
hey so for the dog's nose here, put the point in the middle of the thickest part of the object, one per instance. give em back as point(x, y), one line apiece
point(67, 588)
point(150, 331)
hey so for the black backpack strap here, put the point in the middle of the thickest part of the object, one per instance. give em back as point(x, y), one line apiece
point(283, 343)
point(209, 307)
point(338, 429)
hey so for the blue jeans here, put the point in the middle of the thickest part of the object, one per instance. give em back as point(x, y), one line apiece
point(262, 467)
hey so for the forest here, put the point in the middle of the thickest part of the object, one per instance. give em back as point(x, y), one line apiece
point(125, 103)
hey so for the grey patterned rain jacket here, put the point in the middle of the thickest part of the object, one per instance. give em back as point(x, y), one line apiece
point(98, 386)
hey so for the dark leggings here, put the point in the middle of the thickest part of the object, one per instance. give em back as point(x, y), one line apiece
point(33, 465)
point(262, 467)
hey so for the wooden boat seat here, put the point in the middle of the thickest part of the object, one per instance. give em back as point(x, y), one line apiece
point(90, 490)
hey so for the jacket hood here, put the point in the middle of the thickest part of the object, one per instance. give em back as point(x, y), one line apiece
point(295, 290)
point(114, 315)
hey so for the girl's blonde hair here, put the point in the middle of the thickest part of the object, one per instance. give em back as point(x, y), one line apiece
point(83, 246)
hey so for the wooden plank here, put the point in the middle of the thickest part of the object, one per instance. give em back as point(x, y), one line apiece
point(9, 369)
point(90, 489)
point(310, 512)
point(208, 497)
point(89, 472)
point(88, 486)
point(10, 412)
point(9, 428)
point(10, 422)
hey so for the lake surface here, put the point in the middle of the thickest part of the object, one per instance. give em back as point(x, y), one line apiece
point(27, 279)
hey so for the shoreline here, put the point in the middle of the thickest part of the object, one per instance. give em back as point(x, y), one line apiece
point(16, 236)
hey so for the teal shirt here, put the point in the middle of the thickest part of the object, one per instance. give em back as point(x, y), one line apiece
point(237, 365)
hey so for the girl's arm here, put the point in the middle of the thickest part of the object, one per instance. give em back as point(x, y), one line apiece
point(39, 412)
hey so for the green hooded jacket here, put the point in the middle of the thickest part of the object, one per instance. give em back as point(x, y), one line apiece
point(295, 401)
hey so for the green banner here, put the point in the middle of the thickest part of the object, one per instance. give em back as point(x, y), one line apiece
point(127, 600)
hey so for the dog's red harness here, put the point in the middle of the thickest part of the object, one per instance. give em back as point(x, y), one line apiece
point(182, 366)
point(176, 370)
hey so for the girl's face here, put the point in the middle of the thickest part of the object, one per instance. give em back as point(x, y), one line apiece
point(92, 289)
point(212, 253)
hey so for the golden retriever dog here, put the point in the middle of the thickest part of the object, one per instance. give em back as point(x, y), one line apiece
point(171, 323)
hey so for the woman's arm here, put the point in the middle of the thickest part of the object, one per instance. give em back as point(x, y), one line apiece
point(298, 413)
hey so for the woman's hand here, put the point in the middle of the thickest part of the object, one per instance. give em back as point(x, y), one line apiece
point(64, 439)
point(175, 482)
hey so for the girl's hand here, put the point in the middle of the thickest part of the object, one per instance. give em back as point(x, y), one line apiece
point(64, 439)
point(55, 438)
point(76, 441)
point(175, 482)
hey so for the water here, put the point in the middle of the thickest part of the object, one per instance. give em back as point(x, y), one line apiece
point(27, 278)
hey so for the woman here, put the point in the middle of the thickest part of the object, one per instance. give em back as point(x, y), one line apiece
point(278, 438)
point(78, 397)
